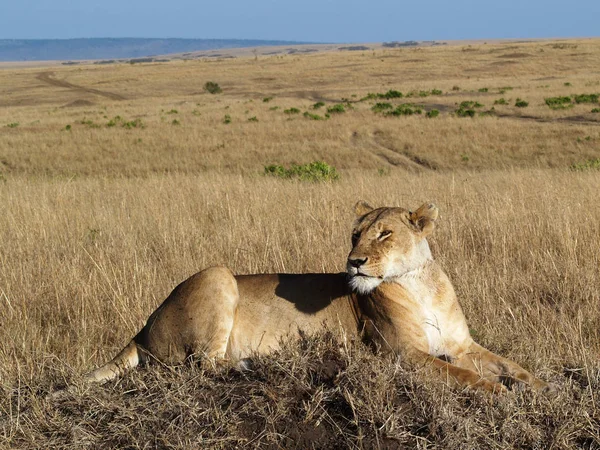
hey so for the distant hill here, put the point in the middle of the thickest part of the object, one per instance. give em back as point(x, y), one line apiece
point(102, 48)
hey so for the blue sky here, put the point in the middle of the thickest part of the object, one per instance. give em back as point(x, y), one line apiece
point(306, 20)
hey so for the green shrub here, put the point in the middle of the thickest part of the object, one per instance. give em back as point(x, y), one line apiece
point(336, 109)
point(568, 84)
point(433, 113)
point(391, 94)
point(137, 123)
point(118, 120)
point(586, 98)
point(175, 122)
point(227, 119)
point(173, 111)
point(318, 105)
point(13, 125)
point(273, 108)
point(114, 121)
point(252, 119)
point(436, 92)
point(370, 96)
point(470, 104)
point(314, 171)
point(589, 164)
point(277, 171)
point(313, 116)
point(501, 101)
point(456, 88)
point(380, 107)
point(212, 87)
point(90, 123)
point(267, 99)
point(68, 128)
point(587, 138)
point(483, 89)
point(291, 111)
point(405, 109)
point(467, 109)
point(596, 110)
point(558, 102)
point(196, 112)
point(521, 103)
point(465, 112)
point(418, 94)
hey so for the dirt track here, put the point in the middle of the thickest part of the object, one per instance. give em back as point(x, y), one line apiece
point(46, 77)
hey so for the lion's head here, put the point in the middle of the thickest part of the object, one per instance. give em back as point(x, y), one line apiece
point(388, 243)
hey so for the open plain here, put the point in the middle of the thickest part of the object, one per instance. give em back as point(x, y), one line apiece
point(118, 181)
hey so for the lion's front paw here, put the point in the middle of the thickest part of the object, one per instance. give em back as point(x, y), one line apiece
point(490, 386)
point(548, 389)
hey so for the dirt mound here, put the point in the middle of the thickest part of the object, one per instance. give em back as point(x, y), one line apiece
point(316, 393)
point(78, 103)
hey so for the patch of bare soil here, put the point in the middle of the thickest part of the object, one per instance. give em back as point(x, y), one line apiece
point(380, 146)
point(503, 63)
point(582, 120)
point(78, 103)
point(515, 55)
point(47, 77)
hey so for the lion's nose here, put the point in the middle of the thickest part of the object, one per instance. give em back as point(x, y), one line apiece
point(357, 262)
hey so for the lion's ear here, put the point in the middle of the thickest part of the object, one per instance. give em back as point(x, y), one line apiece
point(424, 218)
point(361, 208)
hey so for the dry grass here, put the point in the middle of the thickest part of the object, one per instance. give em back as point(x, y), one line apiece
point(535, 136)
point(97, 228)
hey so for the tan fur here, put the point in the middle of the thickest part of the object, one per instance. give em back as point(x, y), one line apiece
point(393, 293)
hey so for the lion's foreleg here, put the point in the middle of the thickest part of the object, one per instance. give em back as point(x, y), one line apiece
point(499, 369)
point(454, 376)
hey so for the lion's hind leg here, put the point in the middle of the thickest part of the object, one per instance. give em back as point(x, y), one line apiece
point(196, 320)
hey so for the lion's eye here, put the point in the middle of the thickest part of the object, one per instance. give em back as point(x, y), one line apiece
point(355, 238)
point(384, 234)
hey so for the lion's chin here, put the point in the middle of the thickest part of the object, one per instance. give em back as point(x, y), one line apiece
point(363, 285)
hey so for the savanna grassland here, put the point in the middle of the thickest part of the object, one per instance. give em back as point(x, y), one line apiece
point(118, 181)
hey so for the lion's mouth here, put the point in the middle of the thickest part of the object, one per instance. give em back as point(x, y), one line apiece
point(353, 272)
point(363, 283)
point(359, 273)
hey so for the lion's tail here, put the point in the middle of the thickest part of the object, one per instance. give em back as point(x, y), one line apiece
point(127, 359)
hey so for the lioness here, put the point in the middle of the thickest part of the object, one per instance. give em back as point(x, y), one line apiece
point(394, 294)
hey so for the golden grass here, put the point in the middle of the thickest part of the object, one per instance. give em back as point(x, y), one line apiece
point(99, 224)
point(40, 144)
